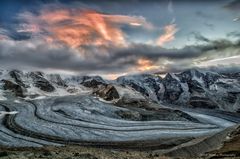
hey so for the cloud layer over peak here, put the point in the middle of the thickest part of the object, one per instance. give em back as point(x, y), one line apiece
point(124, 37)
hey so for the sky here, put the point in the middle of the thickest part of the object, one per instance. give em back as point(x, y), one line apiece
point(118, 37)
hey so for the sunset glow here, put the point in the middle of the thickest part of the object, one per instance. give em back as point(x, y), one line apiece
point(169, 34)
point(77, 28)
point(145, 65)
point(118, 37)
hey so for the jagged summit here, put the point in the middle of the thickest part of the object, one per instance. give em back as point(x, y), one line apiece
point(39, 109)
point(192, 88)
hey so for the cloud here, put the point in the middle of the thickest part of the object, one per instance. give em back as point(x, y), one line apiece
point(170, 6)
point(200, 37)
point(168, 60)
point(170, 30)
point(145, 65)
point(233, 5)
point(37, 54)
point(233, 68)
point(82, 40)
point(78, 27)
point(209, 25)
point(87, 41)
point(204, 15)
point(222, 61)
point(3, 34)
point(235, 34)
point(169, 34)
point(187, 52)
point(236, 19)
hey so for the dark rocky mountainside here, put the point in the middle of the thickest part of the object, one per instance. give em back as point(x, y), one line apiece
point(192, 88)
point(160, 116)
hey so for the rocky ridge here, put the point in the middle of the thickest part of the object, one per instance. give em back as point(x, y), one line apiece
point(137, 112)
point(192, 88)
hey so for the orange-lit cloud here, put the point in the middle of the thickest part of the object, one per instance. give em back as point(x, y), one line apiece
point(92, 32)
point(145, 65)
point(169, 34)
point(83, 27)
point(113, 76)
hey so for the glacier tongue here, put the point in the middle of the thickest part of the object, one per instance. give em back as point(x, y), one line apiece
point(84, 120)
point(38, 109)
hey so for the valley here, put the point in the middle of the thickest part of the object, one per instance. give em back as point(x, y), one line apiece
point(142, 113)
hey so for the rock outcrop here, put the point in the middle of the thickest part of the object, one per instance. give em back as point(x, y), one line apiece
point(15, 88)
point(121, 95)
point(40, 82)
point(149, 85)
point(57, 79)
point(92, 82)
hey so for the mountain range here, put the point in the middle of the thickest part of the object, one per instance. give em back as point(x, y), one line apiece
point(192, 88)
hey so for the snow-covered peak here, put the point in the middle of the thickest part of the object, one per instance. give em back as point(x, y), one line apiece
point(195, 88)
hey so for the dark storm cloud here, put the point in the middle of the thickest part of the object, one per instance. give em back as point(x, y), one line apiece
point(22, 54)
point(182, 59)
point(42, 56)
point(233, 5)
point(188, 52)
